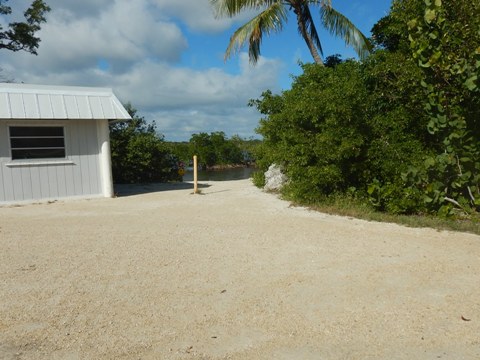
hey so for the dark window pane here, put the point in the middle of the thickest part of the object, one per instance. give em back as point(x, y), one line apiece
point(37, 143)
point(38, 154)
point(29, 131)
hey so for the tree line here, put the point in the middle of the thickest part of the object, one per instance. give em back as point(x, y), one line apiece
point(216, 150)
point(140, 154)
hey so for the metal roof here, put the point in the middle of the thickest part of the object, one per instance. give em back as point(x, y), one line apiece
point(24, 101)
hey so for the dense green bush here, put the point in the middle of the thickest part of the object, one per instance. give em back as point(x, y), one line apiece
point(316, 130)
point(399, 130)
point(445, 41)
point(329, 136)
point(398, 136)
point(139, 154)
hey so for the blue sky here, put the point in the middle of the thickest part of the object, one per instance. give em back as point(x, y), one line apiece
point(166, 58)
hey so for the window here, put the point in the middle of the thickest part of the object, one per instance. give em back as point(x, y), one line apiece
point(37, 142)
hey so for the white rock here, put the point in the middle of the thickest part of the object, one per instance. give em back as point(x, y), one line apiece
point(274, 178)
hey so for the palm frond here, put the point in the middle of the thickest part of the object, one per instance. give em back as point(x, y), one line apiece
point(268, 21)
point(338, 25)
point(230, 8)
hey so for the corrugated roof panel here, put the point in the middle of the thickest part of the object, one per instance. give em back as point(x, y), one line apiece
point(83, 107)
point(31, 106)
point(45, 106)
point(58, 107)
point(20, 101)
point(107, 107)
point(119, 114)
point(4, 106)
point(96, 107)
point(71, 107)
point(120, 111)
point(16, 106)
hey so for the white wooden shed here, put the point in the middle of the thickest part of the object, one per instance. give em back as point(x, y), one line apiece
point(54, 142)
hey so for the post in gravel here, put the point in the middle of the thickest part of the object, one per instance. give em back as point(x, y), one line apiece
point(195, 174)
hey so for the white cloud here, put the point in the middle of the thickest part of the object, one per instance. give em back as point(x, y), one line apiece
point(142, 42)
point(79, 9)
point(159, 84)
point(199, 15)
point(180, 125)
point(183, 101)
point(123, 33)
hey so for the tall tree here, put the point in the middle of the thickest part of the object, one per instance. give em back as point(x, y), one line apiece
point(273, 16)
point(21, 35)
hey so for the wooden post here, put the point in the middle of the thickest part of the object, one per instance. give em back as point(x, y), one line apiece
point(195, 174)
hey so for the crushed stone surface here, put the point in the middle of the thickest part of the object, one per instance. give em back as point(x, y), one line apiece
point(231, 273)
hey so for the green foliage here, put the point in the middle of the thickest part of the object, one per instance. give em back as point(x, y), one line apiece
point(391, 32)
point(359, 132)
point(398, 131)
point(181, 150)
point(21, 35)
point(346, 129)
point(394, 198)
point(398, 138)
point(216, 149)
point(333, 60)
point(202, 146)
point(258, 179)
point(315, 130)
point(139, 154)
point(445, 42)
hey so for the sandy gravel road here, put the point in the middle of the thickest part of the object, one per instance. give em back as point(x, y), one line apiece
point(234, 273)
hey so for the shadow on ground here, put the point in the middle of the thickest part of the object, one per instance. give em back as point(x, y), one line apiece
point(122, 190)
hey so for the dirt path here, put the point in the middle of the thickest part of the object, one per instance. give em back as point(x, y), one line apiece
point(231, 274)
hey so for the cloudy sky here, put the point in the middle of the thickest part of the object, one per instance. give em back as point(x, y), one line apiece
point(165, 57)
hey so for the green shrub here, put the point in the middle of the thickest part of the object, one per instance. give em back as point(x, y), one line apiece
point(139, 154)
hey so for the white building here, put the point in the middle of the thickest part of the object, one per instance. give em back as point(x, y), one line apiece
point(54, 142)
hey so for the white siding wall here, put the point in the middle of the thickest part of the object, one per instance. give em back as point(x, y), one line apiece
point(78, 176)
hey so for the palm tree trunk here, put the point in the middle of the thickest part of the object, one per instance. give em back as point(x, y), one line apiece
point(306, 36)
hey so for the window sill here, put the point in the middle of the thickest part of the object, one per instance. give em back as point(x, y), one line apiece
point(39, 163)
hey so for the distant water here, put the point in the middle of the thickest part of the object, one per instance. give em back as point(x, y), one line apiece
point(221, 175)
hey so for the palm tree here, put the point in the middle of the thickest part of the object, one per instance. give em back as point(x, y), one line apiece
point(274, 14)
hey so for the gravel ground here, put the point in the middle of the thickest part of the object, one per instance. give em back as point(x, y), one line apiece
point(233, 273)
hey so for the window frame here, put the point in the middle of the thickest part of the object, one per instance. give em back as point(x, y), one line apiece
point(37, 160)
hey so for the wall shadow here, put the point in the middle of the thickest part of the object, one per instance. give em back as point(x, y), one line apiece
point(122, 190)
